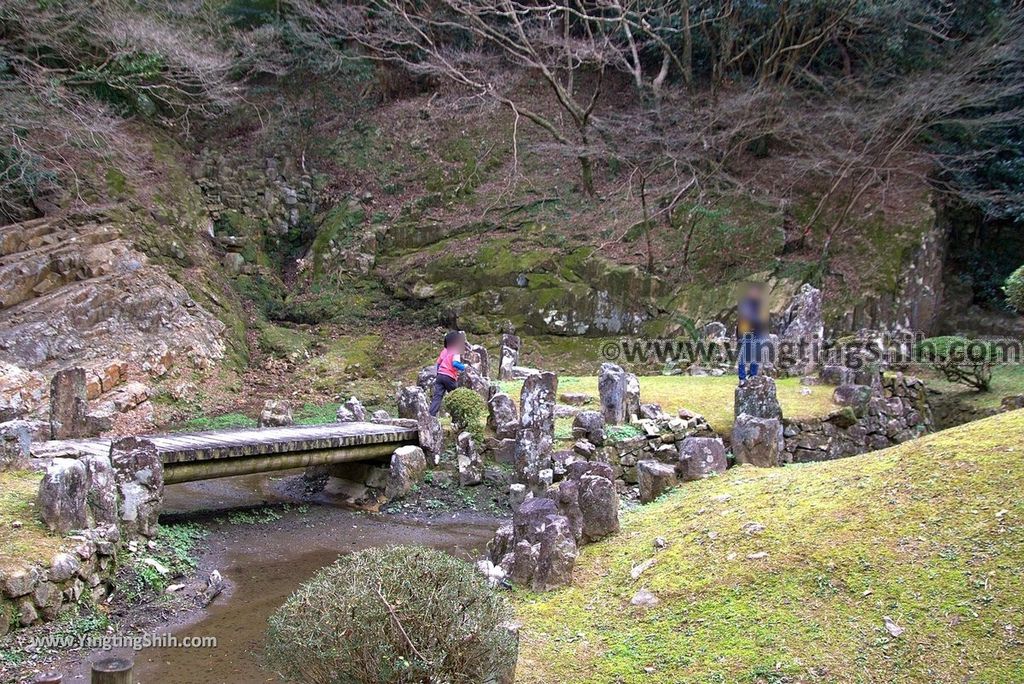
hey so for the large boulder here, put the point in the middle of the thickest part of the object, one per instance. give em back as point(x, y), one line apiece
point(139, 476)
point(412, 404)
point(856, 397)
point(757, 397)
point(654, 479)
point(408, 463)
point(471, 467)
point(589, 425)
point(474, 380)
point(477, 358)
point(276, 413)
point(566, 495)
point(63, 494)
point(801, 326)
point(556, 556)
point(502, 416)
point(700, 457)
point(509, 358)
point(758, 441)
point(68, 404)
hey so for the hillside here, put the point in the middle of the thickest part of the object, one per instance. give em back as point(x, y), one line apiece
point(928, 534)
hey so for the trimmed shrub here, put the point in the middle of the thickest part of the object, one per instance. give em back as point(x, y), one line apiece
point(468, 412)
point(968, 362)
point(1014, 289)
point(399, 615)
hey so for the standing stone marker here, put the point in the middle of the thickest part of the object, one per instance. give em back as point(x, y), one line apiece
point(68, 404)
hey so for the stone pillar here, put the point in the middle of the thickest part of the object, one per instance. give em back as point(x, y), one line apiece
point(537, 427)
point(412, 404)
point(139, 476)
point(620, 394)
point(68, 404)
point(510, 345)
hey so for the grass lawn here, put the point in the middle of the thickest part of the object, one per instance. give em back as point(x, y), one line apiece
point(929, 534)
point(710, 396)
point(31, 541)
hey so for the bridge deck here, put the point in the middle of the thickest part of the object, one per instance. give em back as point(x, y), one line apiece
point(219, 453)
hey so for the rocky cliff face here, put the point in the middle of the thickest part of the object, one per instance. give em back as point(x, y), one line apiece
point(76, 291)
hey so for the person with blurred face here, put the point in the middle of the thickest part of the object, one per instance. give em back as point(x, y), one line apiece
point(751, 328)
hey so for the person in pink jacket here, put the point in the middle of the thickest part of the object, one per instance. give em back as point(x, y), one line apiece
point(449, 364)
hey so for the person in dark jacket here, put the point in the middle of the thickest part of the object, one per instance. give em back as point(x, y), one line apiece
point(449, 365)
point(751, 329)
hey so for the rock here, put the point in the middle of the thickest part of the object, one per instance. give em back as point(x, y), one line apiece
point(344, 415)
point(575, 398)
point(565, 494)
point(757, 441)
point(68, 404)
point(714, 330)
point(276, 413)
point(471, 468)
point(529, 520)
point(425, 378)
point(501, 544)
point(15, 444)
point(652, 412)
point(380, 416)
point(853, 396)
point(537, 428)
point(504, 451)
point(412, 404)
point(644, 599)
point(472, 379)
point(654, 479)
point(700, 457)
point(233, 263)
point(557, 555)
point(509, 356)
point(354, 408)
point(477, 358)
point(757, 397)
point(891, 627)
point(632, 397)
point(800, 326)
point(139, 476)
point(63, 567)
point(19, 582)
point(589, 425)
point(27, 612)
point(584, 449)
point(516, 496)
point(599, 504)
point(523, 372)
point(1012, 402)
point(832, 374)
point(102, 496)
point(408, 464)
point(62, 496)
point(611, 386)
point(502, 416)
point(494, 574)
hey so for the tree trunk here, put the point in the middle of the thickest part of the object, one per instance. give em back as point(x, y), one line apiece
point(587, 174)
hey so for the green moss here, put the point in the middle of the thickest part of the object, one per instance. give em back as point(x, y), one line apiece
point(284, 342)
point(29, 542)
point(927, 533)
point(225, 421)
point(117, 182)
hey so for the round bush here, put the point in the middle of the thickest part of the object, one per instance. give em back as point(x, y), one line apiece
point(468, 411)
point(394, 616)
point(1014, 289)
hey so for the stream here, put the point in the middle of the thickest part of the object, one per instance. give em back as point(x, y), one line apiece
point(265, 562)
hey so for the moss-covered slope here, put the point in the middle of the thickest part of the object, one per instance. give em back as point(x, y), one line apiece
point(928, 534)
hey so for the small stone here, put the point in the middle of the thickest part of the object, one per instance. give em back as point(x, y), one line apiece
point(644, 599)
point(757, 556)
point(891, 627)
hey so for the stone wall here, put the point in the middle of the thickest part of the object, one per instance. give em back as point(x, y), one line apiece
point(894, 412)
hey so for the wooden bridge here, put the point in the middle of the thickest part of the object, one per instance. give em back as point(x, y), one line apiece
point(189, 456)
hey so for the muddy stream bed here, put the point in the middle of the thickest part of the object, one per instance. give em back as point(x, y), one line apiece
point(263, 563)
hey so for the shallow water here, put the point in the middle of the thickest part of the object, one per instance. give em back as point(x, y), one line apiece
point(265, 563)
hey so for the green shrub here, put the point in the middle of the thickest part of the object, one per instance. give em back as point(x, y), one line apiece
point(391, 616)
point(959, 359)
point(468, 412)
point(1014, 289)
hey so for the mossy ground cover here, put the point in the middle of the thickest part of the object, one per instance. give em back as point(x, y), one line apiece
point(928, 533)
point(30, 541)
point(710, 396)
